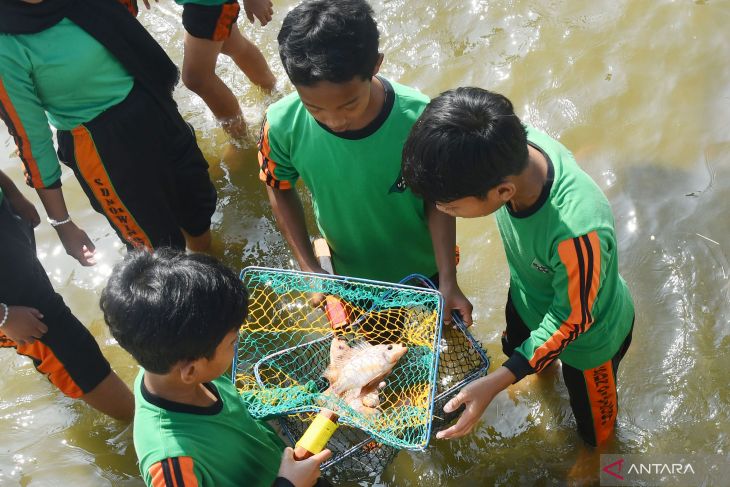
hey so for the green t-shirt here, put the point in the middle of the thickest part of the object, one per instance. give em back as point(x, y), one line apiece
point(60, 75)
point(563, 260)
point(375, 227)
point(220, 445)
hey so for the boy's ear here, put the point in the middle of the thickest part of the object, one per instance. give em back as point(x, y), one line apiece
point(505, 191)
point(189, 371)
point(381, 56)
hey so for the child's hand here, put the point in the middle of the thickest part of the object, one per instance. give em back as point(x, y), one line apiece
point(77, 243)
point(476, 397)
point(24, 208)
point(24, 325)
point(303, 473)
point(147, 3)
point(260, 9)
point(454, 300)
point(315, 299)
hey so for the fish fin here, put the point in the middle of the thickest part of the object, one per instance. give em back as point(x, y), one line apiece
point(359, 346)
point(376, 382)
point(331, 374)
point(371, 400)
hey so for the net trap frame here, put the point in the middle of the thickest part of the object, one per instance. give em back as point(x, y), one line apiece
point(373, 352)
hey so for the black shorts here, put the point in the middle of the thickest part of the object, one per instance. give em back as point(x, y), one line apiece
point(212, 22)
point(67, 354)
point(141, 167)
point(592, 392)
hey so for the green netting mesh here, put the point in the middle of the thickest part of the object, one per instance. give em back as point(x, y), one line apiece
point(284, 350)
point(386, 374)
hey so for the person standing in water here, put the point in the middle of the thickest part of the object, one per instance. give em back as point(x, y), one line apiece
point(36, 322)
point(98, 77)
point(472, 156)
point(211, 30)
point(342, 133)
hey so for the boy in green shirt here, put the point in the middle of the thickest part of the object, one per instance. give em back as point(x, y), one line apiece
point(471, 155)
point(179, 315)
point(342, 132)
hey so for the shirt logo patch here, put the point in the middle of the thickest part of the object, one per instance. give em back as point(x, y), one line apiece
point(399, 185)
point(541, 267)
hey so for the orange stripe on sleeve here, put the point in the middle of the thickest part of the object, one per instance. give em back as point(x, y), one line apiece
point(581, 257)
point(601, 387)
point(158, 476)
point(594, 273)
point(565, 334)
point(267, 165)
point(173, 472)
point(16, 129)
point(94, 173)
point(188, 475)
point(168, 465)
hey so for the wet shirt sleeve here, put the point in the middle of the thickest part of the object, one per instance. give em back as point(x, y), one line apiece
point(275, 165)
point(25, 117)
point(577, 279)
point(174, 472)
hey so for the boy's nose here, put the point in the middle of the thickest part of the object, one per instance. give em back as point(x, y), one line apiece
point(336, 125)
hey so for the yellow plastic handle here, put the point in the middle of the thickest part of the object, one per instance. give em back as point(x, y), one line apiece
point(318, 434)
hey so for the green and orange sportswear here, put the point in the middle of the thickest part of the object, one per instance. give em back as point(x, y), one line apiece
point(374, 225)
point(563, 260)
point(219, 445)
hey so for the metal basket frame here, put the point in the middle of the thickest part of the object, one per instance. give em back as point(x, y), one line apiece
point(330, 468)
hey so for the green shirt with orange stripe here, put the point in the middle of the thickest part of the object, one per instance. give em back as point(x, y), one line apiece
point(375, 226)
point(61, 75)
point(563, 260)
point(222, 444)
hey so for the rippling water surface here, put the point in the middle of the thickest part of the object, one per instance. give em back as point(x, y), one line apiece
point(639, 90)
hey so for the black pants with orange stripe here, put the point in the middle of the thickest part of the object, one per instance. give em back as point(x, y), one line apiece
point(593, 396)
point(67, 354)
point(212, 22)
point(140, 167)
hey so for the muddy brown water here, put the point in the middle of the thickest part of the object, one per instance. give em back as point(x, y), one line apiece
point(639, 90)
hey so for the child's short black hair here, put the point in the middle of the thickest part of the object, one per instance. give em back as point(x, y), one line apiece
point(466, 142)
point(329, 40)
point(166, 307)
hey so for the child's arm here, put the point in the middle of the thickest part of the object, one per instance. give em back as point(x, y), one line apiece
point(475, 397)
point(303, 473)
point(443, 236)
point(281, 177)
point(289, 215)
point(22, 207)
point(76, 242)
point(24, 114)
